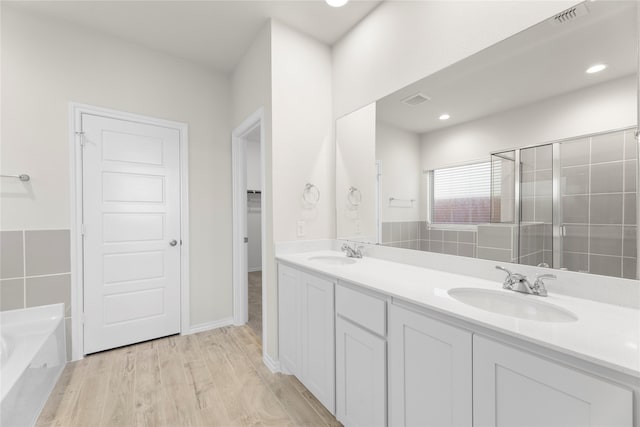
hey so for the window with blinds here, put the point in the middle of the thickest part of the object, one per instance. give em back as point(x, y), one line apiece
point(462, 194)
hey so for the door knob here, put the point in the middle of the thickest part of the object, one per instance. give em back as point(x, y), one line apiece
point(173, 242)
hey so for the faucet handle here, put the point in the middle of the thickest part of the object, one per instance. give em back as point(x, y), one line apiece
point(508, 282)
point(538, 287)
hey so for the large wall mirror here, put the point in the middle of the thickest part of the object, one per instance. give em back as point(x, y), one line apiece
point(524, 152)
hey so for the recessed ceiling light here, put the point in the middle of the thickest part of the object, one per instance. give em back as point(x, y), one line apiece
point(336, 3)
point(444, 117)
point(596, 68)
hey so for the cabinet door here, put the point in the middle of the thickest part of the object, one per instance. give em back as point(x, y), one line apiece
point(289, 319)
point(515, 388)
point(429, 371)
point(318, 356)
point(360, 376)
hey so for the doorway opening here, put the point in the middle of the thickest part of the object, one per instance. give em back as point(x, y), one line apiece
point(248, 223)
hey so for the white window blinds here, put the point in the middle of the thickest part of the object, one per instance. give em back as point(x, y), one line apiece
point(461, 194)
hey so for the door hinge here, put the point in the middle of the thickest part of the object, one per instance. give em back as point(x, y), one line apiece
point(83, 229)
point(80, 137)
point(246, 240)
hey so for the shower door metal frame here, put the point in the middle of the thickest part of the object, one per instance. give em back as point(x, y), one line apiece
point(556, 207)
point(517, 220)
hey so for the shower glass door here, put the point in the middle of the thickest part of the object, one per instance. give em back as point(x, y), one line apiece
point(536, 206)
point(503, 185)
point(577, 204)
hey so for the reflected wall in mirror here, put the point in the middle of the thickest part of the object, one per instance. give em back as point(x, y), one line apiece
point(520, 153)
point(355, 175)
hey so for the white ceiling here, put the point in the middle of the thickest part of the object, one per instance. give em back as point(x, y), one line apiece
point(543, 61)
point(214, 33)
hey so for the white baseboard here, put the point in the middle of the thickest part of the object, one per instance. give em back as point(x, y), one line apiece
point(228, 321)
point(273, 366)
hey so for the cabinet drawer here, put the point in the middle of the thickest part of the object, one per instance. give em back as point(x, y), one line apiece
point(365, 310)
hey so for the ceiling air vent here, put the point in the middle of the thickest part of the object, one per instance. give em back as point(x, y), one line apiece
point(416, 99)
point(571, 14)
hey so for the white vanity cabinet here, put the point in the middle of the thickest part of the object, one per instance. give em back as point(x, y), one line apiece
point(516, 388)
point(430, 379)
point(306, 331)
point(289, 316)
point(374, 360)
point(361, 362)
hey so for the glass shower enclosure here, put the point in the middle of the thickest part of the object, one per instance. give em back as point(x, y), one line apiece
point(571, 203)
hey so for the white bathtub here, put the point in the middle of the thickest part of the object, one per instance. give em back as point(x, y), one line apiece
point(32, 357)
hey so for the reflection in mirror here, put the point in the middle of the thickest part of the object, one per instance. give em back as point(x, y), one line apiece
point(355, 175)
point(520, 153)
point(503, 187)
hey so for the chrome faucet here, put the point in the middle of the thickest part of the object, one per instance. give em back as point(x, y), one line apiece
point(352, 252)
point(519, 283)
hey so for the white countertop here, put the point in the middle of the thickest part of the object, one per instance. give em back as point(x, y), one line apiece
point(606, 334)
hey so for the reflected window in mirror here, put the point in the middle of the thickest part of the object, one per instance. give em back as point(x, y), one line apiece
point(461, 194)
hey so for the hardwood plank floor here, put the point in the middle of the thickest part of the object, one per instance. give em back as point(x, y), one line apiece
point(255, 302)
point(214, 378)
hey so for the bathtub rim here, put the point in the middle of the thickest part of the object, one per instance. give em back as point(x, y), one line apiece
point(32, 315)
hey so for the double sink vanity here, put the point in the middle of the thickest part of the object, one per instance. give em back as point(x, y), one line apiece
point(519, 156)
point(387, 343)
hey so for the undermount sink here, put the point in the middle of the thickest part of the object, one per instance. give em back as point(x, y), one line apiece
point(332, 260)
point(516, 305)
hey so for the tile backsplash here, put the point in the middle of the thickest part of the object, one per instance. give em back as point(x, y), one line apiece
point(416, 235)
point(35, 269)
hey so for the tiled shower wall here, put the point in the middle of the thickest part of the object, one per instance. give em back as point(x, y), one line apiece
point(536, 243)
point(35, 269)
point(497, 242)
point(599, 204)
point(536, 234)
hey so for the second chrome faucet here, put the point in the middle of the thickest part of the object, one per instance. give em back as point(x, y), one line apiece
point(519, 283)
point(352, 252)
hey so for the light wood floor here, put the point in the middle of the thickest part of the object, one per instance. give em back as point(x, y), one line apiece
point(214, 378)
point(255, 302)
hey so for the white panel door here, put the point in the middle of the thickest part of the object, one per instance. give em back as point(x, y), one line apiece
point(318, 338)
point(290, 344)
point(131, 215)
point(361, 368)
point(514, 388)
point(429, 371)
